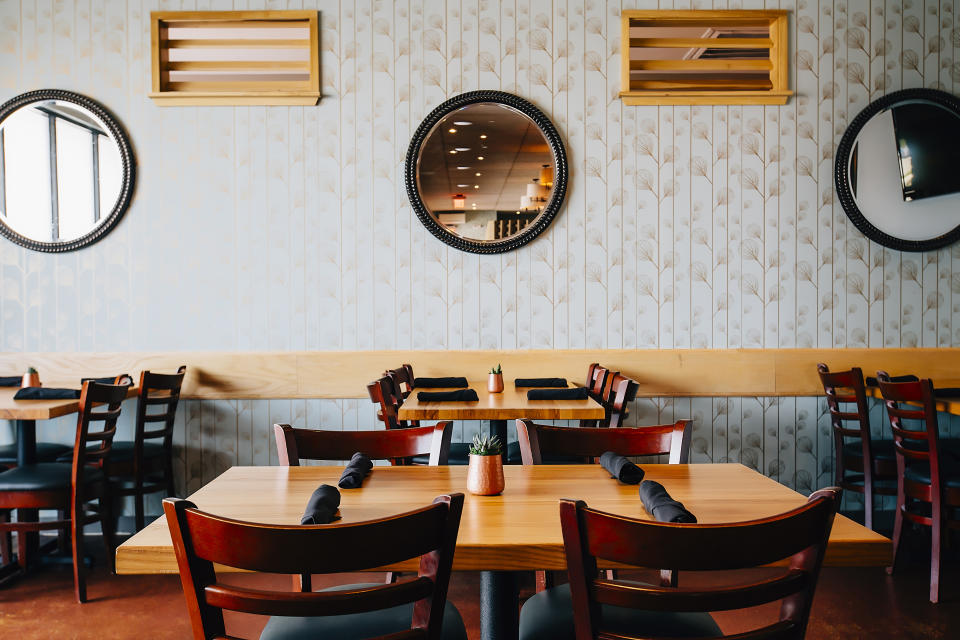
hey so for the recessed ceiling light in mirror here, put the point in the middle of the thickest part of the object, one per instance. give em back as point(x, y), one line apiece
point(462, 123)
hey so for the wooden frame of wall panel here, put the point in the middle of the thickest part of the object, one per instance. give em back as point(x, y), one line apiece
point(344, 374)
point(234, 93)
point(697, 89)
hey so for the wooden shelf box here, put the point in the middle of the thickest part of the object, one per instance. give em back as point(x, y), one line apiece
point(235, 57)
point(704, 57)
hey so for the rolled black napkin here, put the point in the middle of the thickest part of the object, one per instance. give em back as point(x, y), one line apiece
point(441, 383)
point(322, 506)
point(947, 392)
point(577, 393)
point(357, 469)
point(621, 468)
point(108, 380)
point(872, 382)
point(661, 506)
point(541, 382)
point(462, 395)
point(46, 393)
point(10, 381)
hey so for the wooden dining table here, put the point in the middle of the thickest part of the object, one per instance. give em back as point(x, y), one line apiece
point(510, 404)
point(518, 530)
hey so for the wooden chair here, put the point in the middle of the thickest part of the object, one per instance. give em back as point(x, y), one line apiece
point(538, 440)
point(294, 445)
point(145, 465)
point(70, 486)
point(863, 465)
point(924, 475)
point(402, 378)
point(414, 608)
point(383, 393)
point(603, 608)
point(622, 392)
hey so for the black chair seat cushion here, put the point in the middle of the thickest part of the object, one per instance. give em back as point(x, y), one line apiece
point(43, 476)
point(358, 625)
point(549, 615)
point(46, 452)
point(949, 471)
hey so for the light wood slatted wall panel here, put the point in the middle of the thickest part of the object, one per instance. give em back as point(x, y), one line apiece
point(705, 57)
point(235, 57)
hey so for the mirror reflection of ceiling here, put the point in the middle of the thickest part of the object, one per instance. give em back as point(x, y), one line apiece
point(61, 171)
point(485, 171)
point(875, 182)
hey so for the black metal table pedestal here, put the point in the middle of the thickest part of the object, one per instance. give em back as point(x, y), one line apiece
point(499, 605)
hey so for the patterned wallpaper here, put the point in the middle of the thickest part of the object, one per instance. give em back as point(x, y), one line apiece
point(288, 228)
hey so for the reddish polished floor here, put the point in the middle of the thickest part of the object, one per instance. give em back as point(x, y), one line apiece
point(850, 603)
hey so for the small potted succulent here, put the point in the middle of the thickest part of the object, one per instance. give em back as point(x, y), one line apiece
point(495, 381)
point(485, 473)
point(31, 378)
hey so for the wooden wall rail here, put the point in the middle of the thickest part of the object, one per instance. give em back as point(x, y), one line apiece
point(344, 374)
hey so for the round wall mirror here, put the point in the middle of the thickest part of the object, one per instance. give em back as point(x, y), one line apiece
point(486, 172)
point(66, 170)
point(896, 170)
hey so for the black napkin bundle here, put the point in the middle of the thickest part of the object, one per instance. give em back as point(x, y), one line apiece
point(661, 506)
point(462, 395)
point(577, 393)
point(947, 392)
point(10, 381)
point(873, 382)
point(322, 506)
point(441, 383)
point(46, 393)
point(357, 469)
point(107, 380)
point(541, 382)
point(621, 468)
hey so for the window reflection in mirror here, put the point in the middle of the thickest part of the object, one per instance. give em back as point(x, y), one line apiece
point(485, 172)
point(61, 171)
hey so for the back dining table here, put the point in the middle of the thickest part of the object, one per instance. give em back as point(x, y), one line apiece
point(518, 530)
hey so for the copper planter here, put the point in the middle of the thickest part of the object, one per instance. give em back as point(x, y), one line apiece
point(485, 475)
point(495, 383)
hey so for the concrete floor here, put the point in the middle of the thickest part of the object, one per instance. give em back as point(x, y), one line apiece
point(850, 603)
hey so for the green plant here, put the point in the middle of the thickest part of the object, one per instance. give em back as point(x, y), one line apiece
point(497, 370)
point(31, 370)
point(485, 446)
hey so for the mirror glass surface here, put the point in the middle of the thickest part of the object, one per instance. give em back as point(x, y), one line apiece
point(485, 172)
point(63, 173)
point(900, 185)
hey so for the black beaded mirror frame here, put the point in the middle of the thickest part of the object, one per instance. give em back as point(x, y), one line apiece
point(841, 175)
point(559, 184)
point(126, 157)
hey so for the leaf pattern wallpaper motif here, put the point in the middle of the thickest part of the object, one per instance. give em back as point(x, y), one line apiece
point(260, 228)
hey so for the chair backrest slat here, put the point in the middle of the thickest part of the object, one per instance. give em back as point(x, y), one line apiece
point(93, 394)
point(537, 440)
point(200, 539)
point(800, 536)
point(294, 445)
point(158, 389)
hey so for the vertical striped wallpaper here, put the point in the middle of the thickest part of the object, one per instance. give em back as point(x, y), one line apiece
point(289, 228)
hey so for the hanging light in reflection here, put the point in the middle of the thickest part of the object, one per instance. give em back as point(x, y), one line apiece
point(546, 176)
point(459, 201)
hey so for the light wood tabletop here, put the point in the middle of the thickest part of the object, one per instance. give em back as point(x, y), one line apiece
point(518, 530)
point(511, 404)
point(11, 409)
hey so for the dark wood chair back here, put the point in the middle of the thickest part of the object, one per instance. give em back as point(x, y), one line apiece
point(537, 440)
point(92, 444)
point(402, 379)
point(294, 445)
point(382, 393)
point(159, 395)
point(918, 444)
point(799, 535)
point(201, 539)
point(622, 392)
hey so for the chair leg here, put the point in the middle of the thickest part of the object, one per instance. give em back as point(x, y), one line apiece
point(935, 556)
point(6, 541)
point(107, 530)
point(79, 569)
point(897, 535)
point(63, 534)
point(22, 552)
point(868, 505)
